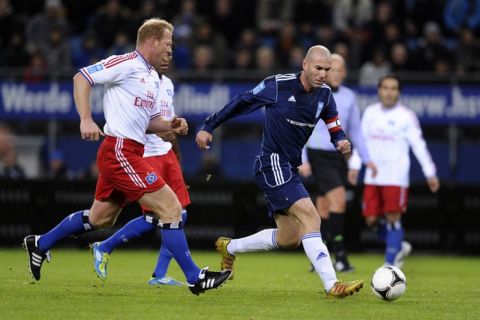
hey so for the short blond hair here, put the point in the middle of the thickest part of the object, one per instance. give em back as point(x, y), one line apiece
point(153, 27)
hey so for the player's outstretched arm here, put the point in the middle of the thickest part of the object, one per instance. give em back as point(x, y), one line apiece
point(177, 125)
point(81, 94)
point(203, 139)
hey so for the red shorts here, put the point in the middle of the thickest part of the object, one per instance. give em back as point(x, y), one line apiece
point(124, 175)
point(168, 167)
point(378, 200)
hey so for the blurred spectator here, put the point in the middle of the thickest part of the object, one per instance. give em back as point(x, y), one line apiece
point(421, 11)
point(342, 49)
point(326, 35)
point(270, 16)
point(461, 13)
point(36, 70)
point(287, 39)
point(204, 36)
point(383, 17)
point(226, 21)
point(431, 47)
point(8, 155)
point(38, 29)
point(374, 69)
point(203, 58)
point(15, 54)
point(109, 20)
point(184, 22)
point(148, 9)
point(468, 52)
point(295, 60)
point(242, 59)
point(399, 58)
point(57, 51)
point(121, 45)
point(7, 23)
point(89, 52)
point(265, 59)
point(57, 169)
point(351, 19)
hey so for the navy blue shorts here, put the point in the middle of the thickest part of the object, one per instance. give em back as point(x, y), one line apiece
point(280, 181)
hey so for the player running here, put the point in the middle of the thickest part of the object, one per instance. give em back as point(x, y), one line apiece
point(293, 103)
point(131, 108)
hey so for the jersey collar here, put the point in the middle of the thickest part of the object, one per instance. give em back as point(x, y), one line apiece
point(149, 67)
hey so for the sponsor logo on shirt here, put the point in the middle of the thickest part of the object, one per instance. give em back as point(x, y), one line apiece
point(144, 103)
point(151, 178)
point(300, 124)
point(170, 92)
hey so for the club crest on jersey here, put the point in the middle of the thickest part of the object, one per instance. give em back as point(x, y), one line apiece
point(319, 109)
point(94, 68)
point(170, 92)
point(157, 84)
point(151, 178)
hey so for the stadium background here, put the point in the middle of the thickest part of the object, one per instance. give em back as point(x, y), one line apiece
point(223, 47)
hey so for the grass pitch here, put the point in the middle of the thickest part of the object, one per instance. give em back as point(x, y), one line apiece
point(266, 286)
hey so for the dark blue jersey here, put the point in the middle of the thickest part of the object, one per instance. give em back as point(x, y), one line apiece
point(291, 114)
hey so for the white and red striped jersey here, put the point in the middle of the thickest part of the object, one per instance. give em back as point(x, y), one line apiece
point(130, 94)
point(389, 134)
point(155, 146)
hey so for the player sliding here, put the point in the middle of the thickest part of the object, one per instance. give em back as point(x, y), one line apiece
point(293, 103)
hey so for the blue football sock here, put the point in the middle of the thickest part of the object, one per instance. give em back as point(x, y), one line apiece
point(164, 257)
point(393, 241)
point(133, 229)
point(175, 241)
point(73, 224)
point(382, 230)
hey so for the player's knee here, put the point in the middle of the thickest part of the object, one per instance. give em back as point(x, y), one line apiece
point(99, 222)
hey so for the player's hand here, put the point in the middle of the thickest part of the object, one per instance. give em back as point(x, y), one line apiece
point(433, 184)
point(305, 170)
point(352, 176)
point(344, 146)
point(179, 126)
point(373, 168)
point(203, 139)
point(89, 130)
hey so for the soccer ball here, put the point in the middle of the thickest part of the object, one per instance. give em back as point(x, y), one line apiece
point(389, 283)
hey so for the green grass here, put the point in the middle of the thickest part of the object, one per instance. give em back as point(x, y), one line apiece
point(266, 286)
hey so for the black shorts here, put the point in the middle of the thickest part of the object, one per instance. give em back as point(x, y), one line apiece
point(329, 168)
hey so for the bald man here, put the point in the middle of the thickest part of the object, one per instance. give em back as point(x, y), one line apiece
point(329, 168)
point(293, 103)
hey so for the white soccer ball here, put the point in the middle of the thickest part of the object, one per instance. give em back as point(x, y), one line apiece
point(389, 283)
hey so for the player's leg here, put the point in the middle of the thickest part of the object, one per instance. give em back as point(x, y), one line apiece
point(159, 275)
point(100, 215)
point(167, 208)
point(303, 211)
point(337, 199)
point(394, 203)
point(322, 203)
point(171, 171)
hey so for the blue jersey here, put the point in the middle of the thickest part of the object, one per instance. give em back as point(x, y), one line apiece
point(291, 114)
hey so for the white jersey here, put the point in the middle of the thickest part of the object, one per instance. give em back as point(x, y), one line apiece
point(130, 95)
point(155, 146)
point(389, 133)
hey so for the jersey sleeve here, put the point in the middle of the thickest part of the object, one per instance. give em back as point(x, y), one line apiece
point(355, 133)
point(113, 70)
point(330, 116)
point(419, 146)
point(265, 93)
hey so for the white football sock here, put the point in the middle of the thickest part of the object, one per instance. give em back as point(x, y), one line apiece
point(260, 241)
point(318, 254)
